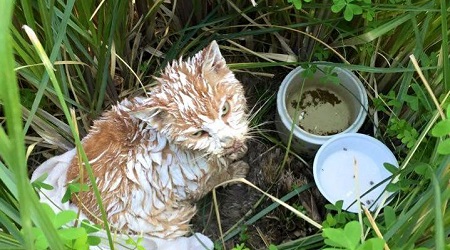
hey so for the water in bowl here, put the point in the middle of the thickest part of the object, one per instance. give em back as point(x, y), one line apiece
point(323, 109)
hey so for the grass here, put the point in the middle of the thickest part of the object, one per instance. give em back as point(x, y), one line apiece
point(13, 151)
point(93, 52)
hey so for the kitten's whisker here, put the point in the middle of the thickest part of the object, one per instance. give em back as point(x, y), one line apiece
point(260, 127)
point(261, 124)
point(262, 132)
point(256, 139)
point(260, 101)
point(260, 107)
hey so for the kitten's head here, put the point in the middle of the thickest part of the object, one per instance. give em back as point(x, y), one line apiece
point(199, 104)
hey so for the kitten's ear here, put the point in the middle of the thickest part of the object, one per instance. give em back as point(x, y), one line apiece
point(145, 114)
point(212, 56)
point(151, 115)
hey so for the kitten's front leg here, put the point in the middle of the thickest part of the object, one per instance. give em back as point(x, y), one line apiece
point(238, 169)
point(238, 154)
point(234, 170)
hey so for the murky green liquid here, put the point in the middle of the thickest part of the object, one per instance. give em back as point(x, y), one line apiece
point(322, 109)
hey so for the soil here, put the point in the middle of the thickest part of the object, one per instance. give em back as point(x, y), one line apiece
point(239, 202)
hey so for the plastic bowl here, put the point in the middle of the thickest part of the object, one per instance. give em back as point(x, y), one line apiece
point(351, 165)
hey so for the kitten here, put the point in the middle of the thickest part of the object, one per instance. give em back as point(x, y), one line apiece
point(154, 157)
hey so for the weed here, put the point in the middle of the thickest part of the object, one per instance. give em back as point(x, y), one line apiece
point(349, 237)
point(442, 130)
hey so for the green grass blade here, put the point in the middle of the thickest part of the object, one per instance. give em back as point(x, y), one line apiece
point(309, 242)
point(54, 54)
point(375, 33)
point(46, 19)
point(356, 67)
point(49, 67)
point(7, 178)
point(14, 156)
point(444, 47)
point(27, 10)
point(8, 223)
point(438, 218)
point(105, 52)
point(7, 242)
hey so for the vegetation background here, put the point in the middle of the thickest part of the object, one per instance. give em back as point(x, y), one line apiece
point(76, 58)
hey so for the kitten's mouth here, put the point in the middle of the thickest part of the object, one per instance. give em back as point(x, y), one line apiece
point(235, 151)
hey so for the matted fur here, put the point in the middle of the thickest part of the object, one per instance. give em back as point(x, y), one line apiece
point(154, 157)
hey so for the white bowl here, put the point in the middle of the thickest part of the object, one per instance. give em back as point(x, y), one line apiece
point(303, 142)
point(349, 165)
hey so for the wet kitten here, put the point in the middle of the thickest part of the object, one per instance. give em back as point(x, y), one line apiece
point(154, 157)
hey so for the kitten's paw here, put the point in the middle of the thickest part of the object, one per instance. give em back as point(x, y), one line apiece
point(239, 153)
point(239, 169)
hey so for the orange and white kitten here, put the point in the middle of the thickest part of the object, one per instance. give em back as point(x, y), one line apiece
point(153, 157)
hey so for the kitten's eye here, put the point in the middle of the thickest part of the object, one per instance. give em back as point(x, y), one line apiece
point(225, 108)
point(198, 133)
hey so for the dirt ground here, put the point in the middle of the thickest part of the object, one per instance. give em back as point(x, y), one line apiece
point(239, 202)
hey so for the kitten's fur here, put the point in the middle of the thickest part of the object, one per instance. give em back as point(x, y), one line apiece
point(154, 156)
